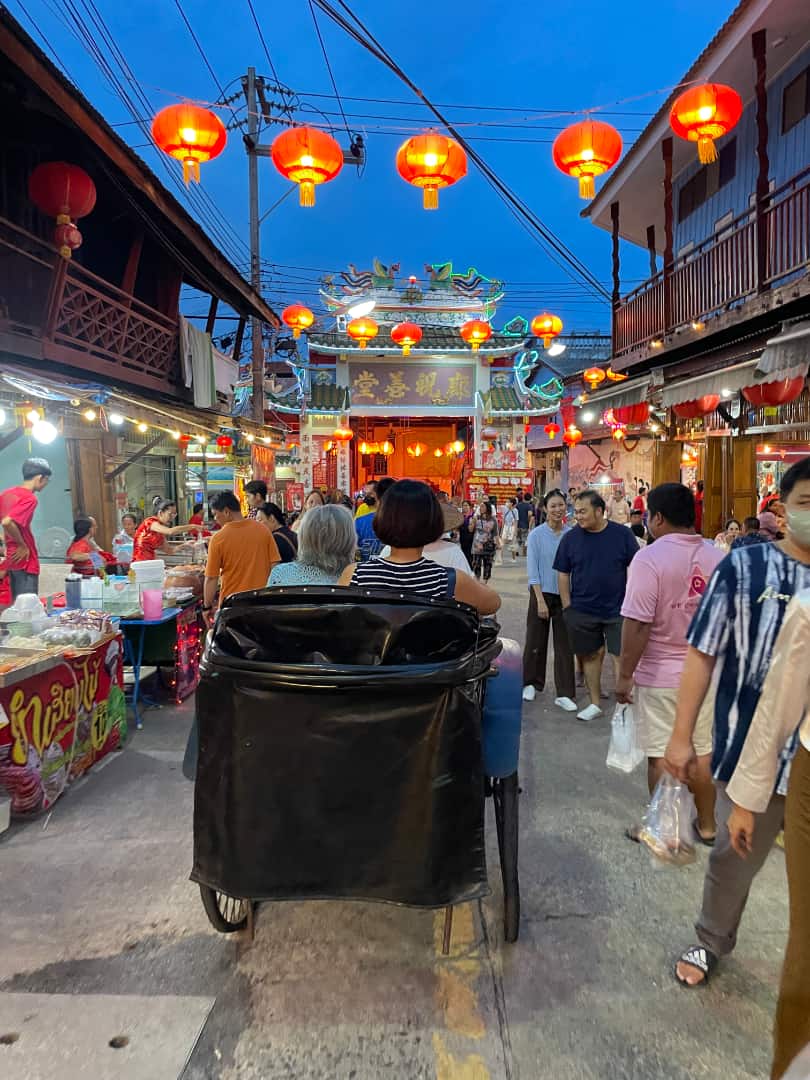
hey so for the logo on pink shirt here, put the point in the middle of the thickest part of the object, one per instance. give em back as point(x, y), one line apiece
point(697, 585)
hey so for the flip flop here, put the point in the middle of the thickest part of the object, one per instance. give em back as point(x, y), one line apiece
point(697, 956)
point(632, 832)
point(707, 841)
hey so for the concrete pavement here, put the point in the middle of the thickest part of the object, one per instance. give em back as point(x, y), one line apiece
point(95, 901)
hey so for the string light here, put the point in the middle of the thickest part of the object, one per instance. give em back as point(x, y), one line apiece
point(143, 428)
point(90, 415)
point(201, 439)
point(116, 419)
point(250, 437)
point(175, 435)
point(33, 416)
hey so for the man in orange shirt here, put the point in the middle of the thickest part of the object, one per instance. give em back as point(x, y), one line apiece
point(240, 556)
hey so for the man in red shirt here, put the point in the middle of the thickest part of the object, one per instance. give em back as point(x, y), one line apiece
point(17, 506)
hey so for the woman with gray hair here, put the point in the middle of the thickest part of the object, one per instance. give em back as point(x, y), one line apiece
point(326, 543)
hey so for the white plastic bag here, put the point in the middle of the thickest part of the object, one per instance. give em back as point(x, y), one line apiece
point(668, 826)
point(624, 753)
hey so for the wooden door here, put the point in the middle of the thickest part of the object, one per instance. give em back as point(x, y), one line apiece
point(714, 503)
point(742, 476)
point(666, 463)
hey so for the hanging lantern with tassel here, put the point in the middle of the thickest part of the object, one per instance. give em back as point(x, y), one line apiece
point(585, 150)
point(476, 332)
point(362, 330)
point(307, 156)
point(298, 318)
point(705, 113)
point(406, 334)
point(189, 134)
point(67, 193)
point(547, 327)
point(431, 162)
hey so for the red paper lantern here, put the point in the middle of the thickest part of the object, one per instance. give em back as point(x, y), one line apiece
point(774, 393)
point(552, 430)
point(406, 334)
point(184, 440)
point(431, 162)
point(631, 414)
point(547, 327)
point(705, 113)
point(307, 156)
point(224, 442)
point(298, 318)
point(415, 449)
point(585, 150)
point(190, 134)
point(593, 376)
point(572, 436)
point(475, 333)
point(67, 193)
point(362, 330)
point(691, 410)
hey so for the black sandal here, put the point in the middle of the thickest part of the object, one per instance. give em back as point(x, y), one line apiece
point(707, 841)
point(633, 832)
point(697, 956)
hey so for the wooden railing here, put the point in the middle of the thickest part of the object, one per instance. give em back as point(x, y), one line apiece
point(81, 319)
point(721, 272)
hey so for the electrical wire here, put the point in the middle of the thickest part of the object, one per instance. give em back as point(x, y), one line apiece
point(38, 29)
point(262, 40)
point(556, 250)
point(329, 67)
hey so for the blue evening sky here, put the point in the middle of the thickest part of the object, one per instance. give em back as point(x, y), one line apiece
point(567, 55)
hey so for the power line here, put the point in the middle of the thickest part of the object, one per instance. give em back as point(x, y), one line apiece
point(262, 40)
point(329, 67)
point(530, 221)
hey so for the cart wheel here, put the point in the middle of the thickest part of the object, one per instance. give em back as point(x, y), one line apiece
point(505, 801)
point(227, 914)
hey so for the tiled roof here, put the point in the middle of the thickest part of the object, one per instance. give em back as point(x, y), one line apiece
point(328, 398)
point(434, 338)
point(503, 399)
point(288, 402)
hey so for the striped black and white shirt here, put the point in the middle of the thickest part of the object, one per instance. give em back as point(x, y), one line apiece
point(421, 576)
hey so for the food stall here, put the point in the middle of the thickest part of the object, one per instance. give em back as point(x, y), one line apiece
point(62, 705)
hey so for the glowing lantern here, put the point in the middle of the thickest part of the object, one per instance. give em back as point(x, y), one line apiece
point(593, 376)
point(64, 192)
point(619, 432)
point(585, 150)
point(364, 448)
point(184, 440)
point(572, 436)
point(406, 334)
point(438, 452)
point(458, 446)
point(547, 327)
point(298, 318)
point(774, 393)
point(476, 332)
point(387, 448)
point(308, 157)
point(552, 430)
point(189, 134)
point(342, 433)
point(431, 162)
point(615, 376)
point(415, 450)
point(691, 410)
point(224, 442)
point(704, 113)
point(362, 330)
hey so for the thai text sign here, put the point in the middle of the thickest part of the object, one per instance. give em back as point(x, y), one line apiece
point(55, 725)
point(411, 384)
point(499, 483)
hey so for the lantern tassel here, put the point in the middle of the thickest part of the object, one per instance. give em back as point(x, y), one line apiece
point(430, 198)
point(587, 188)
point(306, 195)
point(191, 171)
point(707, 151)
point(406, 350)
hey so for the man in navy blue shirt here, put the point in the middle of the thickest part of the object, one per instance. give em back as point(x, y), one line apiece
point(367, 540)
point(591, 565)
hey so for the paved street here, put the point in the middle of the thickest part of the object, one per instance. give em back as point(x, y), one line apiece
point(96, 905)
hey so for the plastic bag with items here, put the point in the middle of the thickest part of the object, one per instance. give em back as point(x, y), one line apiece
point(668, 826)
point(624, 752)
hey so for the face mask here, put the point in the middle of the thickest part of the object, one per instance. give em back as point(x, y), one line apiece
point(799, 525)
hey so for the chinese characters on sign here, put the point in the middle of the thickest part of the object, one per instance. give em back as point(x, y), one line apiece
point(414, 384)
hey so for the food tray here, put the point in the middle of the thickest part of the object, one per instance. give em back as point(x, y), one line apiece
point(27, 671)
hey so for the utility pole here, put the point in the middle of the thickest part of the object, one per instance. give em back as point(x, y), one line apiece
point(257, 348)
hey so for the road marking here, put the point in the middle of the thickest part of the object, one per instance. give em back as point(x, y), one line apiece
point(456, 995)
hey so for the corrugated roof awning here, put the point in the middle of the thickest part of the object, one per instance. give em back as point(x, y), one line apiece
point(730, 379)
point(788, 352)
point(632, 392)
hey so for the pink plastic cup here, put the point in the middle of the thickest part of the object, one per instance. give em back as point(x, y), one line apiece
point(152, 603)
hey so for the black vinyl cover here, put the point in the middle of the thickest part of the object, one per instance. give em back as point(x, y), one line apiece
point(340, 748)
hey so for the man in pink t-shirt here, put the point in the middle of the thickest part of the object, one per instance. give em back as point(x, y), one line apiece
point(665, 583)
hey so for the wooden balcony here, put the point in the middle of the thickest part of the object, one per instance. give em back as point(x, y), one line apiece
point(747, 258)
point(56, 310)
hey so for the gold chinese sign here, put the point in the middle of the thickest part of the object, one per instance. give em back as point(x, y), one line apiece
point(411, 384)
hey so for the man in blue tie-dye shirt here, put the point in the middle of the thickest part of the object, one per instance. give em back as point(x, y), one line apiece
point(735, 629)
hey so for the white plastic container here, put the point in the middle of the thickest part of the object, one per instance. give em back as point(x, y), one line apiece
point(92, 592)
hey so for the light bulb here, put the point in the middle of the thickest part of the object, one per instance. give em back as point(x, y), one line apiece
point(266, 440)
point(588, 416)
point(200, 439)
point(175, 435)
point(89, 415)
point(43, 431)
point(32, 416)
point(116, 418)
point(143, 428)
point(250, 438)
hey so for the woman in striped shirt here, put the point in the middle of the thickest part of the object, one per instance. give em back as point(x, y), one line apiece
point(409, 517)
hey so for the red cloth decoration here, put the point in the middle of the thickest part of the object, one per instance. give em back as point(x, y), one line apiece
point(774, 393)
